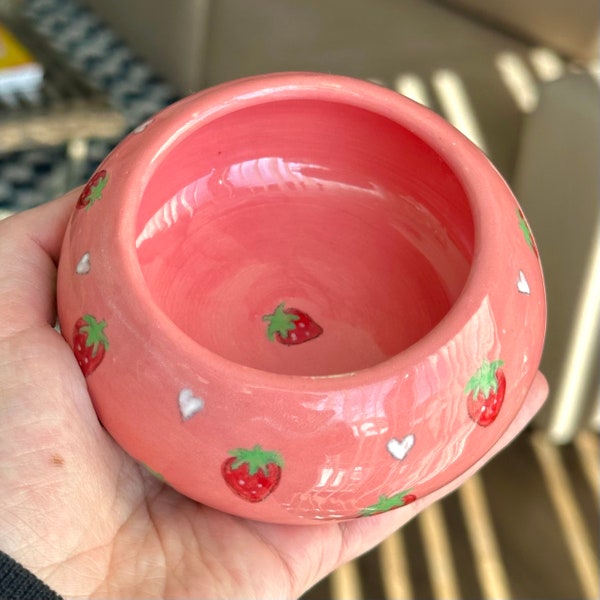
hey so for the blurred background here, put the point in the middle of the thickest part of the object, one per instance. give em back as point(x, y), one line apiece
point(518, 77)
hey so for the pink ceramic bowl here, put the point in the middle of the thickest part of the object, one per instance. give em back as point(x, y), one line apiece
point(301, 297)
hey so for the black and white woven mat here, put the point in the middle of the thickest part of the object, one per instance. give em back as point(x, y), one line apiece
point(28, 178)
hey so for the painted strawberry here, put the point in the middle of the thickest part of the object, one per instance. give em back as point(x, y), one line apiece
point(93, 190)
point(291, 326)
point(524, 227)
point(252, 473)
point(486, 391)
point(386, 503)
point(89, 343)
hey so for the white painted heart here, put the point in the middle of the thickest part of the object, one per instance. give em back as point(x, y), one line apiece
point(523, 284)
point(189, 404)
point(143, 126)
point(400, 448)
point(83, 266)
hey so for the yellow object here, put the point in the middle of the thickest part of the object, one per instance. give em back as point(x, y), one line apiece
point(19, 71)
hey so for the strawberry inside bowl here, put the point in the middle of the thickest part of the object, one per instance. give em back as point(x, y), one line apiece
point(302, 297)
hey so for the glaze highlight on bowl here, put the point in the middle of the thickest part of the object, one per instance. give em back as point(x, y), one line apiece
point(319, 300)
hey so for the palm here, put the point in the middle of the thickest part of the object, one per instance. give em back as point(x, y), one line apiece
point(87, 519)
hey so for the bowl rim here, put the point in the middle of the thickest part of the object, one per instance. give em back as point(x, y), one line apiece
point(474, 172)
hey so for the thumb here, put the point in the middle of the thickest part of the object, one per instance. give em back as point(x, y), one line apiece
point(43, 396)
point(30, 244)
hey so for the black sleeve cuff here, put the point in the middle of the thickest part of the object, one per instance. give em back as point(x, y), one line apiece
point(17, 583)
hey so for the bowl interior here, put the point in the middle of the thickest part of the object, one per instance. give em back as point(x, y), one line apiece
point(304, 237)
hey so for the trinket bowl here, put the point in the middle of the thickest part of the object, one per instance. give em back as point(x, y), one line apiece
point(302, 297)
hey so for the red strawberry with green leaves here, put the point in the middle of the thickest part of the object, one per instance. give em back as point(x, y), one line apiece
point(386, 503)
point(89, 343)
point(93, 190)
point(524, 227)
point(486, 391)
point(252, 473)
point(291, 326)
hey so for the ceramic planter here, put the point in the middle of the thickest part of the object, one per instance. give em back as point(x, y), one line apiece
point(301, 297)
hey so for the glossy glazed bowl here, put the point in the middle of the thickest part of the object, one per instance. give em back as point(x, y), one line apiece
point(300, 297)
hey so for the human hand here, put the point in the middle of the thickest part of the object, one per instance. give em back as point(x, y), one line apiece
point(91, 522)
